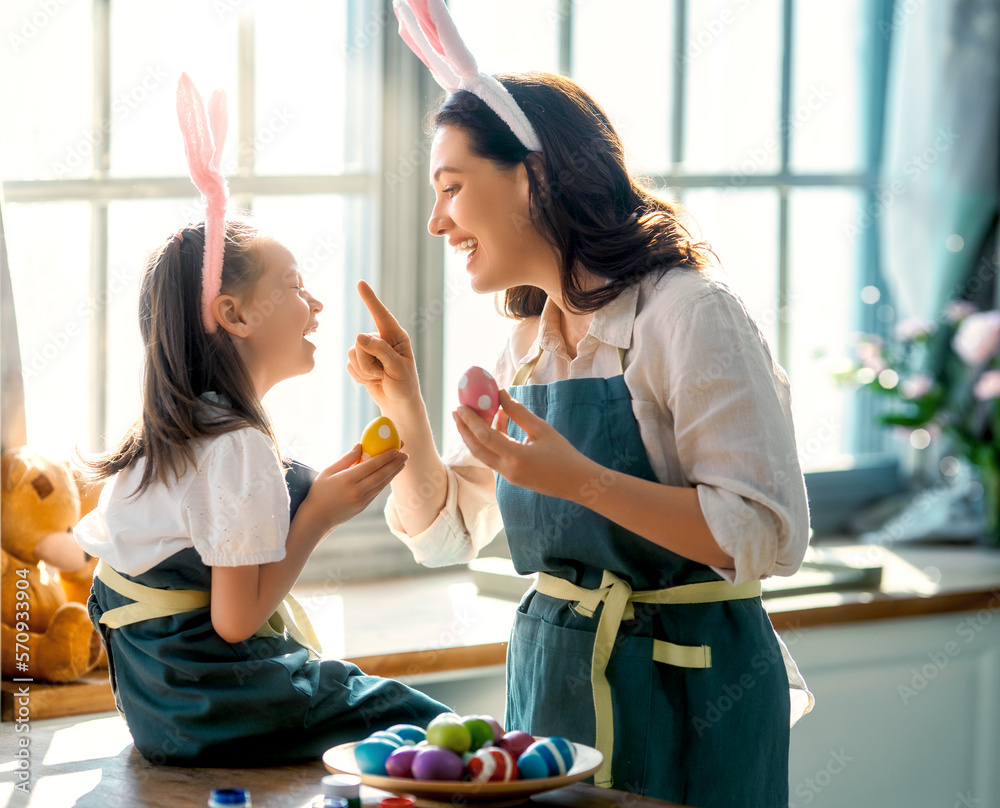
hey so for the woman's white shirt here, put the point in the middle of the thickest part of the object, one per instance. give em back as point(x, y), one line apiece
point(713, 410)
point(231, 505)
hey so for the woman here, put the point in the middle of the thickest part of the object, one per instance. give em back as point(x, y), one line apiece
point(644, 458)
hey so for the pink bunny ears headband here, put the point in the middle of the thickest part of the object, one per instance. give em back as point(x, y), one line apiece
point(427, 27)
point(204, 134)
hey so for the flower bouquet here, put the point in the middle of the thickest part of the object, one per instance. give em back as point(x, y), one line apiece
point(944, 378)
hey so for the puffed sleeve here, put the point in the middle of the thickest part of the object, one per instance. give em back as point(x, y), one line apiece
point(734, 436)
point(237, 506)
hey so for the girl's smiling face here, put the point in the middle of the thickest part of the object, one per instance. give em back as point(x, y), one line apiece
point(278, 319)
point(483, 211)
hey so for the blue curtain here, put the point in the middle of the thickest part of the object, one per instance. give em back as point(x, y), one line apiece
point(941, 161)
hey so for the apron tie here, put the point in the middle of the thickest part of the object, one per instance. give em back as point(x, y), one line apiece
point(618, 597)
point(151, 602)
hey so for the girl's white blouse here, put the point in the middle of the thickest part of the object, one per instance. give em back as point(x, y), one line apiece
point(713, 410)
point(231, 505)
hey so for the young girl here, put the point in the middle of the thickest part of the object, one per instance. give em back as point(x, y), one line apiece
point(197, 547)
point(643, 463)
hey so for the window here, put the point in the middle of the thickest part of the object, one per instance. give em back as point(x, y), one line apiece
point(95, 177)
point(762, 116)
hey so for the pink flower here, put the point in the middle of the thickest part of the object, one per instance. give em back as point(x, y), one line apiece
point(916, 386)
point(978, 337)
point(959, 310)
point(988, 386)
point(914, 328)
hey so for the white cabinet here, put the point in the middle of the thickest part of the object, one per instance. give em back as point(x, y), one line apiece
point(907, 713)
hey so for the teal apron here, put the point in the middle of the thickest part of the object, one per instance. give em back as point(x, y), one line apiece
point(709, 725)
point(190, 698)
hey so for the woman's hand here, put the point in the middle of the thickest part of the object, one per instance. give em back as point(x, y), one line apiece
point(544, 462)
point(343, 490)
point(383, 362)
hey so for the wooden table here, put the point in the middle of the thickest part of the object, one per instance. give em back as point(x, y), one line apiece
point(92, 764)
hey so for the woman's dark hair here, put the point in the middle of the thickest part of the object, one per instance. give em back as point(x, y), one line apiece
point(183, 361)
point(581, 195)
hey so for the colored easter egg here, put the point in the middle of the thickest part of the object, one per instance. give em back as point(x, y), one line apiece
point(532, 766)
point(478, 389)
point(410, 733)
point(557, 754)
point(371, 755)
point(400, 762)
point(391, 737)
point(492, 765)
point(516, 742)
point(451, 734)
point(437, 763)
point(494, 725)
point(379, 436)
point(479, 730)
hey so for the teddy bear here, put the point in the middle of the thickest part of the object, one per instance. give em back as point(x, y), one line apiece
point(47, 634)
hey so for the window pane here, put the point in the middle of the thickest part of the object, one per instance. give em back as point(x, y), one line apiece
point(742, 228)
point(135, 229)
point(824, 265)
point(474, 334)
point(512, 36)
point(314, 108)
point(50, 281)
point(733, 60)
point(152, 43)
point(47, 131)
point(624, 59)
point(319, 416)
point(826, 104)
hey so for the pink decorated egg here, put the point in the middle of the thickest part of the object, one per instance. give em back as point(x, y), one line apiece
point(492, 765)
point(478, 389)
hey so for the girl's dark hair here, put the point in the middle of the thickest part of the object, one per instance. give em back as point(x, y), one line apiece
point(581, 195)
point(183, 361)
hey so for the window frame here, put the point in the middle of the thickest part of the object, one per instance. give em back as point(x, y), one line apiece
point(411, 265)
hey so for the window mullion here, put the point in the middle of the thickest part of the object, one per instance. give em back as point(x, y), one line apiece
point(100, 115)
point(679, 78)
point(785, 135)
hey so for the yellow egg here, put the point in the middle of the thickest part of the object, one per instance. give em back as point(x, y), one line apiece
point(379, 436)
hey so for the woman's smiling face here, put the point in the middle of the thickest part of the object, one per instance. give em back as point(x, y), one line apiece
point(482, 209)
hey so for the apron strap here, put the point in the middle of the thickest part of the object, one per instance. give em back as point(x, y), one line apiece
point(151, 603)
point(618, 597)
point(524, 372)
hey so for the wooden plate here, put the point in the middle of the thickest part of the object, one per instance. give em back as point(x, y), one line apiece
point(340, 760)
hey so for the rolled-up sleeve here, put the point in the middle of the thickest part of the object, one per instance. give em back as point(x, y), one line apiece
point(734, 436)
point(469, 520)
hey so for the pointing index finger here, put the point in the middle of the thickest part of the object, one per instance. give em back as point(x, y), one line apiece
point(388, 326)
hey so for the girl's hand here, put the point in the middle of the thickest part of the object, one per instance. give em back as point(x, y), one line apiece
point(343, 490)
point(383, 362)
point(545, 462)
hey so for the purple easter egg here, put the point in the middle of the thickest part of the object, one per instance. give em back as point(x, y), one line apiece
point(437, 763)
point(400, 762)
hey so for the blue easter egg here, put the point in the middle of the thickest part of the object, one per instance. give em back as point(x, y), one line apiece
point(371, 755)
point(410, 733)
point(532, 766)
point(556, 753)
point(389, 736)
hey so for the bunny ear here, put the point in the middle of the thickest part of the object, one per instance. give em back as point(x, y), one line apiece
point(427, 27)
point(204, 134)
point(450, 40)
point(414, 35)
point(218, 117)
